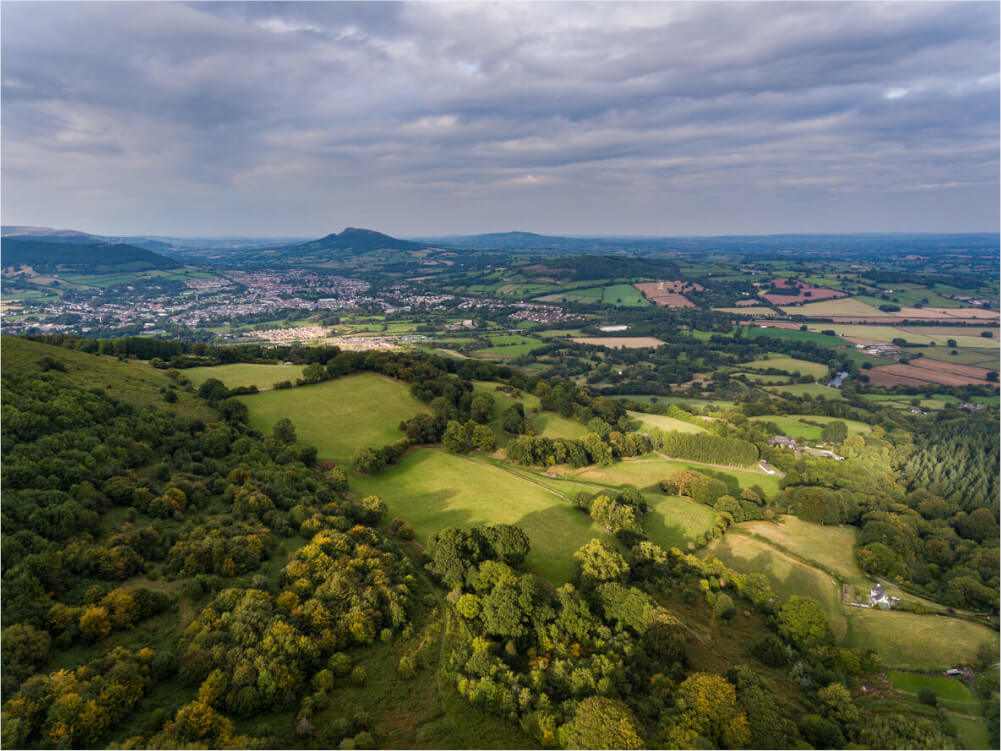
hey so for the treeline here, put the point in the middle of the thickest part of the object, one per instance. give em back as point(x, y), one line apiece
point(704, 447)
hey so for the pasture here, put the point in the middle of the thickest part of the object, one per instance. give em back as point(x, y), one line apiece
point(807, 389)
point(917, 642)
point(664, 422)
point(433, 489)
point(915, 335)
point(554, 425)
point(951, 690)
point(338, 416)
point(648, 472)
point(507, 347)
point(242, 375)
point(845, 306)
point(625, 295)
point(674, 521)
point(794, 425)
point(830, 548)
point(789, 364)
point(787, 575)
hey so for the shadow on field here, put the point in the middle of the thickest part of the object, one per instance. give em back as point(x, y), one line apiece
point(554, 534)
point(666, 532)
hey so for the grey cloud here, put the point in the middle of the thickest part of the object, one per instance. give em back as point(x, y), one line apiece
point(290, 118)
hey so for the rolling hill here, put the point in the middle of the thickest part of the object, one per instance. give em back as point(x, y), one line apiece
point(46, 255)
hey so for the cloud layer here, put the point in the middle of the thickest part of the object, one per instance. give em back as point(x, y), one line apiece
point(430, 118)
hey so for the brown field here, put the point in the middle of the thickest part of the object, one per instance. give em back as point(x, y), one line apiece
point(923, 371)
point(815, 293)
point(669, 294)
point(620, 342)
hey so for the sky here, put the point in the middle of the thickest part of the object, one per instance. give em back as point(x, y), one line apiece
point(421, 119)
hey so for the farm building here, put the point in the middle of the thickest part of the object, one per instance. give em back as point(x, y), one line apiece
point(784, 441)
point(879, 599)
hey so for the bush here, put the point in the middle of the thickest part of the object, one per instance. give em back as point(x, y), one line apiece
point(339, 664)
point(358, 676)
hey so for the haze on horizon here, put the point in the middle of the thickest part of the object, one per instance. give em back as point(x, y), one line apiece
point(297, 119)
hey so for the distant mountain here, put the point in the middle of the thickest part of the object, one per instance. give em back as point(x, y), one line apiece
point(79, 255)
point(352, 240)
point(47, 234)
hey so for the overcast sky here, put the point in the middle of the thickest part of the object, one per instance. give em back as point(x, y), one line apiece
point(419, 119)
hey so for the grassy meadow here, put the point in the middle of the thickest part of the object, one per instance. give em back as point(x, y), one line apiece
point(788, 576)
point(674, 521)
point(830, 548)
point(649, 421)
point(432, 489)
point(648, 472)
point(338, 416)
point(794, 426)
point(242, 375)
point(917, 642)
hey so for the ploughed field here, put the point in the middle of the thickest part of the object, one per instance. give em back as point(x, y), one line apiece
point(922, 371)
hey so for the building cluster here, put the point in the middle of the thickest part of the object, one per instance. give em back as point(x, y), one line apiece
point(547, 314)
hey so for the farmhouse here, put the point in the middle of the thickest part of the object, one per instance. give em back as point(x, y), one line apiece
point(783, 441)
point(879, 599)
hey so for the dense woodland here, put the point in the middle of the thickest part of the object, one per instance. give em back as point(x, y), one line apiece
point(121, 520)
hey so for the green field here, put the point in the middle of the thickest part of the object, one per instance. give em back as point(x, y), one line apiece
point(978, 357)
point(338, 416)
point(917, 642)
point(951, 690)
point(507, 347)
point(832, 548)
point(242, 374)
point(844, 306)
point(674, 521)
point(433, 489)
point(553, 425)
point(821, 340)
point(787, 575)
point(665, 423)
point(646, 473)
point(625, 295)
point(913, 334)
point(973, 732)
point(789, 364)
point(807, 389)
point(792, 425)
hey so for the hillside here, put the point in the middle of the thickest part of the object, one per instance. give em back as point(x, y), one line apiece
point(44, 255)
point(353, 240)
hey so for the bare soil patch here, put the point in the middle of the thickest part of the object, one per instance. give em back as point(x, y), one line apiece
point(620, 342)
